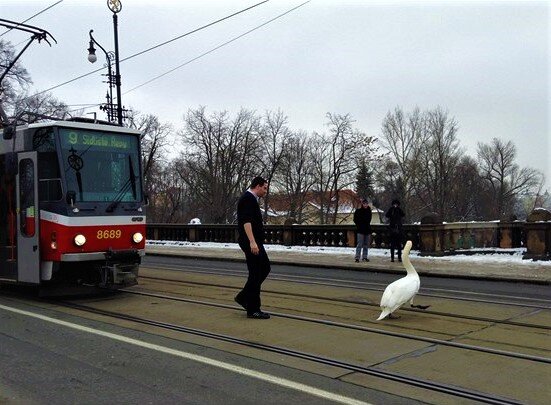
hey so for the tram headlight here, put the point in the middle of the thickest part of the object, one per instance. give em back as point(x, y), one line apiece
point(53, 241)
point(80, 240)
point(137, 237)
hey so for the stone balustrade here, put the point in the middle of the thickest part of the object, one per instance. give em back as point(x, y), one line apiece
point(430, 237)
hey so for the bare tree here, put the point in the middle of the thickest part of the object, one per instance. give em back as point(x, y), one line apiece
point(439, 157)
point(17, 79)
point(169, 194)
point(527, 202)
point(469, 197)
point(426, 151)
point(155, 141)
point(275, 138)
point(336, 157)
point(221, 156)
point(320, 155)
point(390, 185)
point(14, 97)
point(506, 180)
point(403, 136)
point(38, 107)
point(295, 177)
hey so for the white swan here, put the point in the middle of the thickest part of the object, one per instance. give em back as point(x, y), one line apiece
point(402, 290)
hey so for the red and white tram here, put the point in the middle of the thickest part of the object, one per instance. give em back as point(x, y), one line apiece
point(72, 207)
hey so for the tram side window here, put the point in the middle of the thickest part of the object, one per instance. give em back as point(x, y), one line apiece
point(50, 190)
point(49, 177)
point(7, 210)
point(26, 197)
point(49, 181)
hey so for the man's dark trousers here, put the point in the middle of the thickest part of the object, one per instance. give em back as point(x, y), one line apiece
point(259, 268)
point(396, 243)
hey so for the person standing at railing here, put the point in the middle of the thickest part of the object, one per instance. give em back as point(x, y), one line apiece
point(251, 241)
point(395, 215)
point(362, 219)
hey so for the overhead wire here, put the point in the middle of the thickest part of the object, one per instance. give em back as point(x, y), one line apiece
point(210, 51)
point(202, 55)
point(205, 53)
point(217, 47)
point(194, 31)
point(155, 47)
point(30, 18)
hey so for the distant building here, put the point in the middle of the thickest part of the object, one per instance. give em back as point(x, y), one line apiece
point(307, 211)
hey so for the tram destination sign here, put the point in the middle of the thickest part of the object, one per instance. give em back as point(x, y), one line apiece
point(97, 139)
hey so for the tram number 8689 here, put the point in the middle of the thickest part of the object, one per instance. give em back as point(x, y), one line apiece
point(109, 234)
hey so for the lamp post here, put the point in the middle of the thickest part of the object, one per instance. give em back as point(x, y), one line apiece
point(115, 6)
point(108, 107)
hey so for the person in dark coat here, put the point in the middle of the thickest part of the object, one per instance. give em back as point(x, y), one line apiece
point(251, 241)
point(362, 219)
point(395, 215)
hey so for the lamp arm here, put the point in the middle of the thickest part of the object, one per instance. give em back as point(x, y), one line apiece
point(93, 41)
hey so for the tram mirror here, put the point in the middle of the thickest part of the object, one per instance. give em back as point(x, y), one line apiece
point(11, 163)
point(71, 196)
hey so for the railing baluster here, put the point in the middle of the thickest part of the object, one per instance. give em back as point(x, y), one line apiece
point(446, 237)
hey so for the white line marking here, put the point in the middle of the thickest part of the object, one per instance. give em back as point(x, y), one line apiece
point(201, 359)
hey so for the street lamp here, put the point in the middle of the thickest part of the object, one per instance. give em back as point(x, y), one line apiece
point(108, 107)
point(115, 6)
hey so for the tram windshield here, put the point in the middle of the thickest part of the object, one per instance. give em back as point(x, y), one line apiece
point(101, 166)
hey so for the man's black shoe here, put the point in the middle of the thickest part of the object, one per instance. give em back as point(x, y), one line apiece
point(357, 260)
point(240, 301)
point(365, 260)
point(259, 315)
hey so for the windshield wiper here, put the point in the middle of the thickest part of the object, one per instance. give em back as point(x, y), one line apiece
point(132, 176)
point(131, 182)
point(118, 198)
point(76, 163)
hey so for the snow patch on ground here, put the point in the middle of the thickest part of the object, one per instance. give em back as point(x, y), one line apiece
point(494, 255)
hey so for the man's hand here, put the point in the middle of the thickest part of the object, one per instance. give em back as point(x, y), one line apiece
point(249, 231)
point(254, 248)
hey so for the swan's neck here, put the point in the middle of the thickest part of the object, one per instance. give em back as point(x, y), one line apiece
point(407, 263)
point(409, 267)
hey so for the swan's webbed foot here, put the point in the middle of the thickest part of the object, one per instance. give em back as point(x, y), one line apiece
point(392, 316)
point(420, 306)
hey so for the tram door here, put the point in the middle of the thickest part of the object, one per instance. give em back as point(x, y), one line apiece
point(8, 234)
point(27, 219)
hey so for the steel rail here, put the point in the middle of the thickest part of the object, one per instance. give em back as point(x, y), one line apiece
point(369, 370)
point(424, 311)
point(435, 341)
point(347, 284)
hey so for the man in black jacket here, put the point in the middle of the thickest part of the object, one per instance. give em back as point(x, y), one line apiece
point(395, 215)
point(251, 241)
point(362, 219)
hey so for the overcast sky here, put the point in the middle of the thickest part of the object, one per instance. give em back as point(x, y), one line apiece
point(486, 63)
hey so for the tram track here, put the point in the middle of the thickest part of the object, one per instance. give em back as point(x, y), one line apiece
point(468, 296)
point(449, 389)
point(326, 322)
point(355, 302)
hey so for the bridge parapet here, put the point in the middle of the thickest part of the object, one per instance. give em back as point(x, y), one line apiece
point(430, 237)
point(538, 235)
